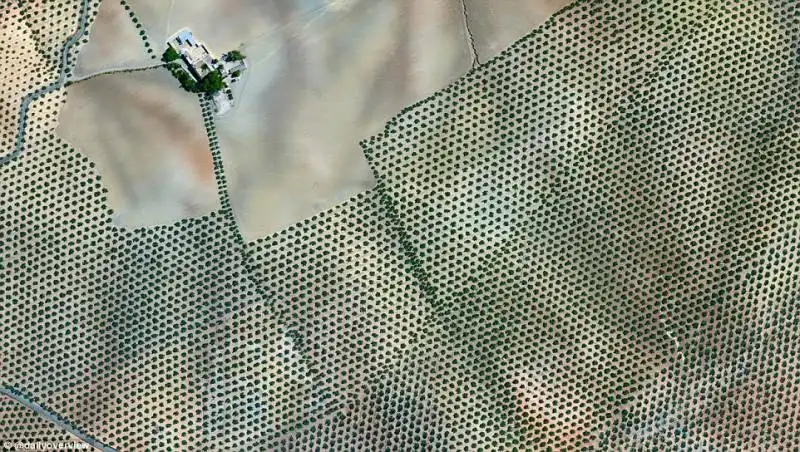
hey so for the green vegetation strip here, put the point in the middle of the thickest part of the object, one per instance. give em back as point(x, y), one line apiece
point(112, 71)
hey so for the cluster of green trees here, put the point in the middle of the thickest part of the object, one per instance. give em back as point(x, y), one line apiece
point(184, 78)
point(234, 55)
point(210, 84)
point(170, 55)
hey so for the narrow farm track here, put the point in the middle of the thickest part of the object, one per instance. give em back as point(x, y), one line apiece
point(41, 411)
point(26, 102)
point(116, 70)
point(58, 84)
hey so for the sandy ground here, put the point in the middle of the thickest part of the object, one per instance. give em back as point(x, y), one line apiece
point(321, 78)
point(498, 23)
point(113, 42)
point(147, 138)
point(222, 25)
point(316, 88)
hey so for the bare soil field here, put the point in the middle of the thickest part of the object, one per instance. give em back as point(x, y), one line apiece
point(147, 138)
point(321, 78)
point(498, 23)
point(113, 42)
point(222, 25)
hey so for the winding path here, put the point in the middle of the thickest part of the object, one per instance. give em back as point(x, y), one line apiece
point(23, 113)
point(58, 84)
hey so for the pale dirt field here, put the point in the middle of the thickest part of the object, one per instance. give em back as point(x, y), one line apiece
point(321, 78)
point(113, 42)
point(496, 24)
point(325, 83)
point(147, 138)
point(221, 24)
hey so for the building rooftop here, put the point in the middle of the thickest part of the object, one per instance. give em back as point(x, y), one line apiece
point(185, 36)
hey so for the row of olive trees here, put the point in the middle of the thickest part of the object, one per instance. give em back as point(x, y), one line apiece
point(142, 33)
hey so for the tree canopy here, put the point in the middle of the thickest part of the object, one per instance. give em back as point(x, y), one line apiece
point(170, 55)
point(211, 83)
point(235, 55)
point(186, 80)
